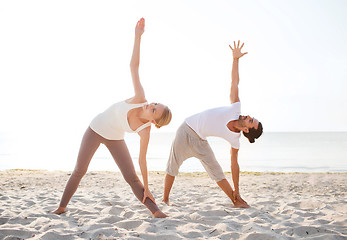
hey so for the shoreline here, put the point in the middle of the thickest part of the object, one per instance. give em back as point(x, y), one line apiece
point(180, 173)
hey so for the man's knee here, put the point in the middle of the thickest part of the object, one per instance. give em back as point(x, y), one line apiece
point(170, 176)
point(218, 181)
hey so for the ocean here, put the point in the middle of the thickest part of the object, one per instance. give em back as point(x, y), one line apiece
point(310, 152)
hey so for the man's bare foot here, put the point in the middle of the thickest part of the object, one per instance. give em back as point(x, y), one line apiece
point(60, 210)
point(159, 214)
point(166, 201)
point(241, 205)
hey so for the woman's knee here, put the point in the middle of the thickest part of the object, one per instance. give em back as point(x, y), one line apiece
point(79, 173)
point(132, 179)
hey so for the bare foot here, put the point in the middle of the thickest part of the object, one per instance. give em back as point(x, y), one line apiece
point(159, 214)
point(166, 201)
point(60, 210)
point(241, 205)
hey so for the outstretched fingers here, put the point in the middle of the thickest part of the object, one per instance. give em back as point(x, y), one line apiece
point(237, 49)
point(238, 45)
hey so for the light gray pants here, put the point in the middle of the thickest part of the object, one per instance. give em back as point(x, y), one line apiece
point(119, 151)
point(188, 144)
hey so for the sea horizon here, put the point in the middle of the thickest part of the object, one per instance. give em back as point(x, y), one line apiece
point(282, 152)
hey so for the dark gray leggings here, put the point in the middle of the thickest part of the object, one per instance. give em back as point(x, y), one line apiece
point(120, 153)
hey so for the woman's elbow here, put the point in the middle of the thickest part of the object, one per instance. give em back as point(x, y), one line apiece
point(134, 65)
point(142, 160)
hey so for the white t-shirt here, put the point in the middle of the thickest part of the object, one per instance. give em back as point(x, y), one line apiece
point(213, 122)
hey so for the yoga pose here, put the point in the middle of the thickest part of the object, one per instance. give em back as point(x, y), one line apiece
point(225, 122)
point(132, 115)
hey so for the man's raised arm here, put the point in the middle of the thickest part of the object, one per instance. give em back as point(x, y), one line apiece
point(234, 90)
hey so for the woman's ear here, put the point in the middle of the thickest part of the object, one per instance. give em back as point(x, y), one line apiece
point(246, 130)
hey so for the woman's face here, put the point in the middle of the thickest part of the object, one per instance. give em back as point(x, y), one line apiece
point(153, 111)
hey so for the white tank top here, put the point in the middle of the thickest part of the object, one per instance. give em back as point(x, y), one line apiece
point(113, 122)
point(213, 122)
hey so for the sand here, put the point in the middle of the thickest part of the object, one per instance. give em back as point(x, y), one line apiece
point(283, 206)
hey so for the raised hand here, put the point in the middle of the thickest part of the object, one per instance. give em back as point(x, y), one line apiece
point(140, 27)
point(237, 50)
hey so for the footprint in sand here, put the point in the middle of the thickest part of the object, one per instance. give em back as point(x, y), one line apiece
point(257, 236)
point(129, 224)
point(305, 231)
point(308, 205)
point(111, 219)
point(114, 210)
point(127, 214)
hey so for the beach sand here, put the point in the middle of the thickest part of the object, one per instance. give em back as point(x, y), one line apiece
point(283, 206)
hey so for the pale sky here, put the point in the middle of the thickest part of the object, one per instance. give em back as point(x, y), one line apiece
point(63, 62)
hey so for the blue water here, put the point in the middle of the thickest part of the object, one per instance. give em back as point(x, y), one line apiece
point(273, 152)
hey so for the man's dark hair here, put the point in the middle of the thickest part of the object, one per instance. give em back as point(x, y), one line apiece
point(254, 133)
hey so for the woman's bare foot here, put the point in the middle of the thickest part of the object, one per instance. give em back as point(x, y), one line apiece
point(159, 214)
point(60, 210)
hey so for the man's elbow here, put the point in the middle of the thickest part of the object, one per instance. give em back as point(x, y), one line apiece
point(235, 167)
point(234, 163)
point(234, 153)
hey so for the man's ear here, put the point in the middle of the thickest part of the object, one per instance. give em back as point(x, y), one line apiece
point(246, 130)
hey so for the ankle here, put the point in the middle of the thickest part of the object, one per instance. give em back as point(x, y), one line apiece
point(159, 214)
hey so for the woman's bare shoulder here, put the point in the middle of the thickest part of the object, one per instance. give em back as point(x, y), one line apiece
point(135, 100)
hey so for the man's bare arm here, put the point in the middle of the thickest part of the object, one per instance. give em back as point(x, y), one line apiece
point(235, 172)
point(234, 90)
point(235, 169)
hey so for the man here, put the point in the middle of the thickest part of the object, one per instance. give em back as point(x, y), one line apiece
point(225, 122)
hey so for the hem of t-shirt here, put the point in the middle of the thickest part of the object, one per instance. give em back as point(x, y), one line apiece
point(203, 138)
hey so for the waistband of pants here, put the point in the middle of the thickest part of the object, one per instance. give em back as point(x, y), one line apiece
point(191, 132)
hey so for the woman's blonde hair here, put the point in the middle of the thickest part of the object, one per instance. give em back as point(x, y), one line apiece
point(165, 118)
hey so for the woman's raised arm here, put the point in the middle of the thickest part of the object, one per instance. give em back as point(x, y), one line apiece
point(135, 62)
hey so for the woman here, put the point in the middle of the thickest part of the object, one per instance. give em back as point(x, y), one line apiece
point(131, 115)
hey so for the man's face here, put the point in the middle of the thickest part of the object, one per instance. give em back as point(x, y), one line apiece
point(249, 122)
